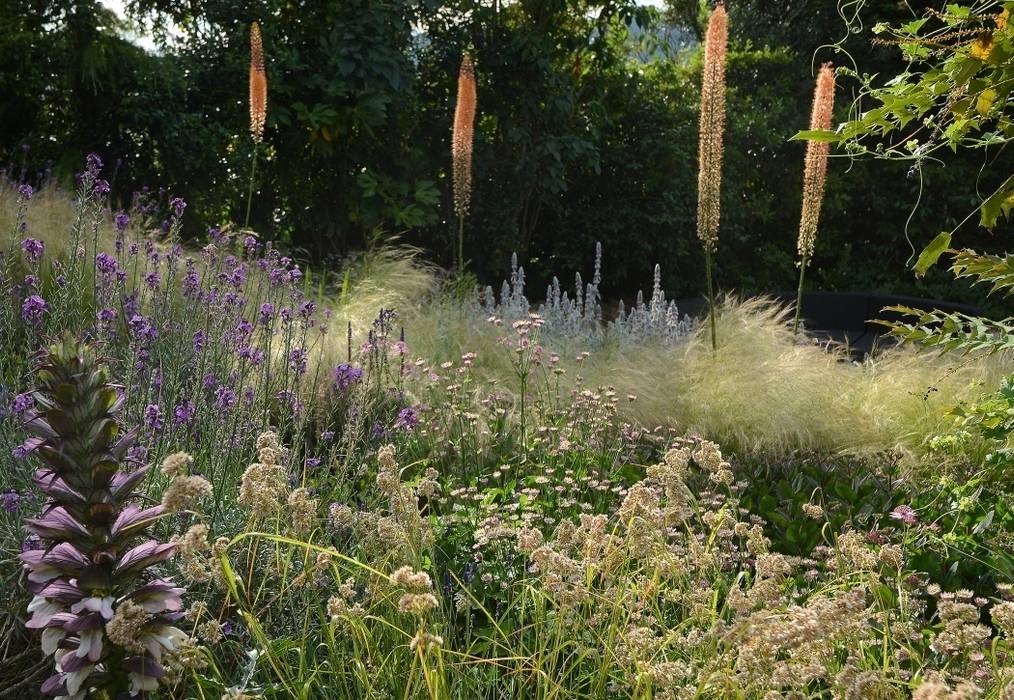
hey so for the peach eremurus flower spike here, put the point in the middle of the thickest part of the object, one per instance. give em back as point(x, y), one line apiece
point(709, 177)
point(711, 127)
point(461, 137)
point(814, 177)
point(815, 173)
point(258, 85)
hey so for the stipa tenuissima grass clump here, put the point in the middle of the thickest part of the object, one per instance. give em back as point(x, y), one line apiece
point(108, 622)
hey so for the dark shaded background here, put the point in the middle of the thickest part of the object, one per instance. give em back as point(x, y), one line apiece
point(587, 131)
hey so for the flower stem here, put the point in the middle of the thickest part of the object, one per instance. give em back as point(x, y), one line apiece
point(711, 300)
point(461, 245)
point(799, 295)
point(250, 191)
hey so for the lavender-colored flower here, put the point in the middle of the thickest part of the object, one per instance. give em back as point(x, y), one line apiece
point(266, 313)
point(200, 339)
point(33, 309)
point(307, 309)
point(209, 382)
point(327, 436)
point(225, 398)
point(407, 419)
point(905, 514)
point(142, 328)
point(121, 221)
point(10, 500)
point(152, 280)
point(345, 375)
point(25, 192)
point(100, 187)
point(183, 414)
point(153, 419)
point(21, 403)
point(93, 163)
point(297, 360)
point(313, 462)
point(191, 280)
point(105, 315)
point(177, 204)
point(31, 282)
point(33, 249)
point(106, 264)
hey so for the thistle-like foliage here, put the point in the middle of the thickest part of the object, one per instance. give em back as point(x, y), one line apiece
point(709, 180)
point(258, 85)
point(815, 173)
point(462, 135)
point(106, 621)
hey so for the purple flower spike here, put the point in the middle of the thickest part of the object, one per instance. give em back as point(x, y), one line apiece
point(95, 602)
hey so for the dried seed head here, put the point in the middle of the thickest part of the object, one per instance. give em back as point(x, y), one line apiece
point(462, 135)
point(712, 125)
point(258, 85)
point(815, 172)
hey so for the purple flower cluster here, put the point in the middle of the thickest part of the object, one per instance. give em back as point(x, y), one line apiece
point(33, 309)
point(33, 249)
point(407, 419)
point(345, 375)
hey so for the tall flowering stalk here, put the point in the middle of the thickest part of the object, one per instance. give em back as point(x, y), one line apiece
point(461, 149)
point(709, 179)
point(814, 177)
point(107, 622)
point(258, 105)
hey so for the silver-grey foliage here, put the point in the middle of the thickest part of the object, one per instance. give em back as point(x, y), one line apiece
point(578, 316)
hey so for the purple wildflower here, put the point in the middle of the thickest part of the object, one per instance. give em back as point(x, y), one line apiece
point(21, 403)
point(266, 313)
point(177, 204)
point(153, 419)
point(345, 375)
point(407, 418)
point(33, 309)
point(25, 192)
point(33, 249)
point(297, 361)
point(122, 221)
point(225, 397)
point(106, 264)
point(10, 500)
point(183, 414)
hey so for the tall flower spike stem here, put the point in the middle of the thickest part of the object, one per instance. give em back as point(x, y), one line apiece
point(258, 106)
point(712, 125)
point(814, 178)
point(461, 150)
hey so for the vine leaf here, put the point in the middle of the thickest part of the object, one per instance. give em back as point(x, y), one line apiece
point(999, 203)
point(931, 253)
